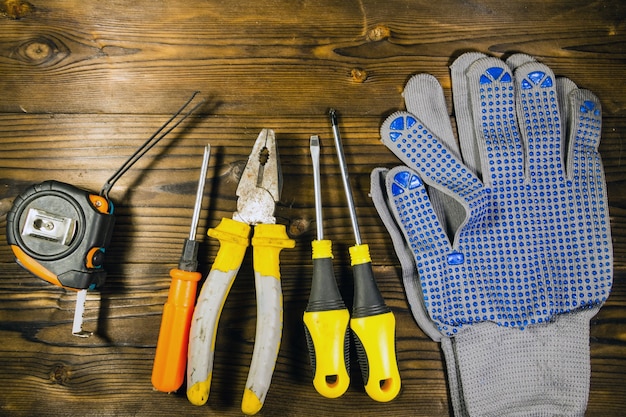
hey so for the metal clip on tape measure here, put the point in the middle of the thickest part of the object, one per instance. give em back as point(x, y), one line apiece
point(60, 233)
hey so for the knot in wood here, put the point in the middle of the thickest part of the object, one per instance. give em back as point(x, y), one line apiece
point(38, 51)
point(41, 50)
point(378, 33)
point(298, 227)
point(60, 374)
point(358, 75)
point(15, 9)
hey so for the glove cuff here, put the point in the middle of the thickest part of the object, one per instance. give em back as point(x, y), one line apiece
point(543, 370)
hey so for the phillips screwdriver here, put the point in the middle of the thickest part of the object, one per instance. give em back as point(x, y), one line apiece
point(170, 359)
point(326, 316)
point(372, 323)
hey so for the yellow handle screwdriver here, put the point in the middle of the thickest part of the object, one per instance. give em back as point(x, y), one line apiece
point(168, 372)
point(326, 316)
point(372, 323)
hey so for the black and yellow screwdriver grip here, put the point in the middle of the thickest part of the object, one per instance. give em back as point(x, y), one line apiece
point(326, 321)
point(373, 325)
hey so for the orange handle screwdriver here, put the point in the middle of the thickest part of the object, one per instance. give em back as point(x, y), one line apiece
point(170, 359)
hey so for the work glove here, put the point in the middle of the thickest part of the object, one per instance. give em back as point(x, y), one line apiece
point(504, 236)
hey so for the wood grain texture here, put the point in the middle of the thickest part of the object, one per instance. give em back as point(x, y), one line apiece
point(84, 83)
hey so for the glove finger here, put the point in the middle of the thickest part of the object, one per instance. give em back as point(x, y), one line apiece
point(585, 124)
point(415, 145)
point(586, 172)
point(431, 247)
point(424, 97)
point(412, 287)
point(462, 110)
point(493, 111)
point(414, 214)
point(540, 121)
point(564, 87)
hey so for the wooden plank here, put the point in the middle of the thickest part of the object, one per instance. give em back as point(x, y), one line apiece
point(81, 57)
point(84, 83)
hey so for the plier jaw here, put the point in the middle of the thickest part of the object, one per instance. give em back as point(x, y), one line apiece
point(260, 184)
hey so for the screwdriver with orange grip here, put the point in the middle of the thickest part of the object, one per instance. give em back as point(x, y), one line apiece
point(326, 316)
point(372, 323)
point(170, 360)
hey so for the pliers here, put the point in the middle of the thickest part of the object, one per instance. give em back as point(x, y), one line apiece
point(257, 192)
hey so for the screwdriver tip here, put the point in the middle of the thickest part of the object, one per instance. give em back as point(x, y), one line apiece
point(333, 117)
point(315, 141)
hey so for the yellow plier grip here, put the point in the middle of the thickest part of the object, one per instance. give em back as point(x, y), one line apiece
point(233, 238)
point(267, 242)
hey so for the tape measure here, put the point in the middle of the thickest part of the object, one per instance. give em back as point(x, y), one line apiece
point(60, 232)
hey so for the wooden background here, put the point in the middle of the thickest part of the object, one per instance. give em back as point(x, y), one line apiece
point(83, 83)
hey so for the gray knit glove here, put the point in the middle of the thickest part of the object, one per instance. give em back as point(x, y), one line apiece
point(511, 241)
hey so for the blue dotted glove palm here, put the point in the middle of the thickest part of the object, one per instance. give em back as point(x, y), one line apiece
point(508, 227)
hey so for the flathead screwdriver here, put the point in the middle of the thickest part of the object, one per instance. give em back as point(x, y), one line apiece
point(326, 316)
point(170, 359)
point(372, 323)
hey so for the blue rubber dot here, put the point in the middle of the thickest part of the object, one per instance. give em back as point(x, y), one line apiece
point(397, 123)
point(402, 178)
point(455, 258)
point(396, 190)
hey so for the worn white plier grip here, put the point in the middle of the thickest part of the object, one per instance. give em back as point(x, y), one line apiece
point(267, 242)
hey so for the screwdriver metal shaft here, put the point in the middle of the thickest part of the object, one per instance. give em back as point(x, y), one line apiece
point(199, 193)
point(317, 187)
point(344, 175)
point(189, 258)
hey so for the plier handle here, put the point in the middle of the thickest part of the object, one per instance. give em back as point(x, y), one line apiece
point(258, 191)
